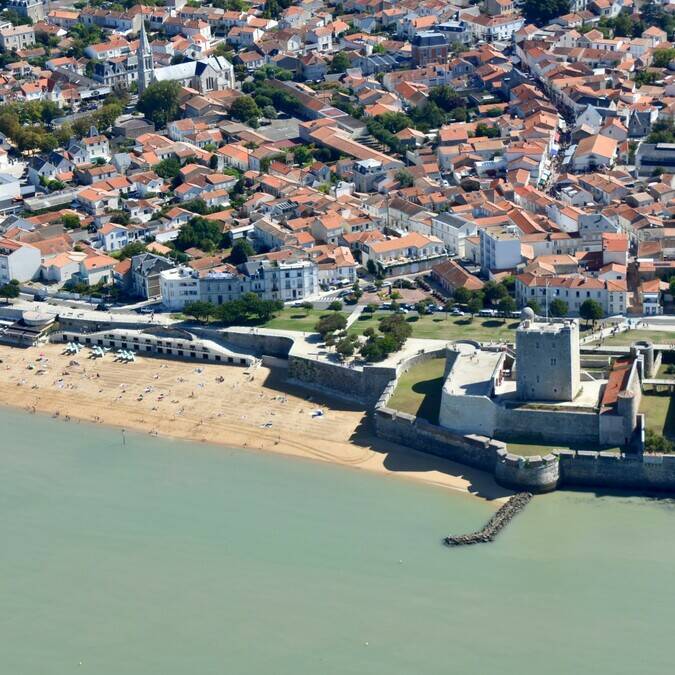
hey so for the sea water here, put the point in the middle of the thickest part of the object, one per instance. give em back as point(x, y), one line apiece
point(162, 557)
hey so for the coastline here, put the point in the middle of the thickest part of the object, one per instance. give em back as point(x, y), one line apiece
point(223, 405)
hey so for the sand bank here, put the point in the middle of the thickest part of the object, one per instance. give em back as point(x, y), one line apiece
point(253, 408)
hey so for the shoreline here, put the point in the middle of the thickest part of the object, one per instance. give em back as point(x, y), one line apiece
point(220, 405)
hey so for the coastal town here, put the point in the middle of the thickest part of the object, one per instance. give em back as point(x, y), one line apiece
point(363, 217)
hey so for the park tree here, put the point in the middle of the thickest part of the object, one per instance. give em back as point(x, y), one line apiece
point(10, 290)
point(507, 305)
point(558, 308)
point(475, 304)
point(347, 346)
point(329, 323)
point(534, 306)
point(335, 306)
point(199, 310)
point(591, 310)
point(494, 291)
point(462, 295)
point(241, 251)
point(159, 103)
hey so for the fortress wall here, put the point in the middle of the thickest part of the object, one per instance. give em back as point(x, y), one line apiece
point(535, 474)
point(606, 470)
point(550, 425)
point(362, 386)
point(468, 414)
point(259, 343)
point(398, 427)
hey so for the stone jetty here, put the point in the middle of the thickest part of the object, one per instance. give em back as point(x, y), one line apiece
point(495, 525)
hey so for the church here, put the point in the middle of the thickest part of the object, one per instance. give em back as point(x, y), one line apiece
point(205, 75)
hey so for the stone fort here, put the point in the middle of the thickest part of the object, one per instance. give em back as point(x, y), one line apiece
point(540, 393)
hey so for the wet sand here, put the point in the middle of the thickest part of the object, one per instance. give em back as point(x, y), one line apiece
point(247, 408)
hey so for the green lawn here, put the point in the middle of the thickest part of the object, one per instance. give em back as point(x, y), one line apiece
point(521, 446)
point(628, 337)
point(367, 320)
point(660, 412)
point(296, 318)
point(419, 390)
point(663, 373)
point(437, 327)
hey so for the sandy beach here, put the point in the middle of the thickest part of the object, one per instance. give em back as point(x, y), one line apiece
point(245, 408)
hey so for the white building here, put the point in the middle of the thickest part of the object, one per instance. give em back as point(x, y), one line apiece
point(573, 289)
point(18, 261)
point(270, 280)
point(453, 230)
point(499, 248)
point(179, 287)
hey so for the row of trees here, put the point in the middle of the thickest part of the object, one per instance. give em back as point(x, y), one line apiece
point(249, 308)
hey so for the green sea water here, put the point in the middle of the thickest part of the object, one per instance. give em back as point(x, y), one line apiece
point(160, 557)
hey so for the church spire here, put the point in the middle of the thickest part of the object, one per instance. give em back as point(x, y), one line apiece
point(145, 62)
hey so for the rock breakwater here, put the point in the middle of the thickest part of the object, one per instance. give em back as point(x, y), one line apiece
point(495, 525)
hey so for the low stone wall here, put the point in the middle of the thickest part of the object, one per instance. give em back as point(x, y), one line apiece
point(477, 451)
point(364, 386)
point(259, 343)
point(558, 426)
point(608, 470)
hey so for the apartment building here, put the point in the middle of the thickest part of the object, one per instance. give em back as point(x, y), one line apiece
point(574, 289)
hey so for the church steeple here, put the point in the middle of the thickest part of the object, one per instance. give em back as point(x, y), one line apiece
point(145, 61)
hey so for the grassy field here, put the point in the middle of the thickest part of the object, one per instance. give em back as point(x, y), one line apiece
point(296, 318)
point(419, 390)
point(663, 374)
point(526, 448)
point(630, 336)
point(437, 327)
point(660, 412)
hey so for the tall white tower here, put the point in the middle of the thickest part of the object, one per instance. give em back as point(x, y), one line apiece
point(146, 65)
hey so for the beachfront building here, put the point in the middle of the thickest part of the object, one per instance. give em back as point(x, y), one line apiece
point(283, 280)
point(18, 261)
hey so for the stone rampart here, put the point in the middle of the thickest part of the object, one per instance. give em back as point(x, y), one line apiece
point(362, 385)
point(536, 474)
point(609, 470)
point(558, 426)
point(398, 427)
point(259, 342)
